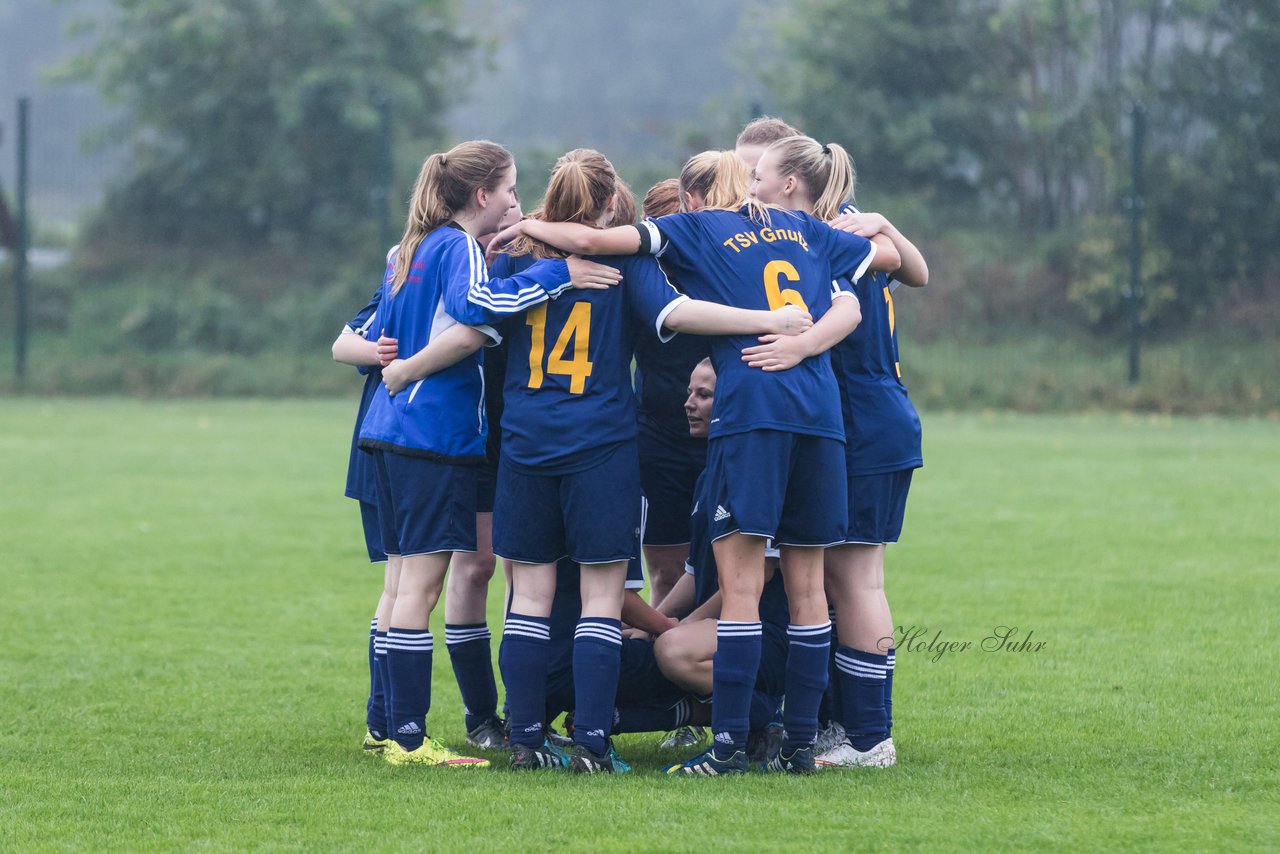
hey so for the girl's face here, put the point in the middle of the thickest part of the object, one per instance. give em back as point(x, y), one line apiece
point(702, 394)
point(502, 202)
point(767, 185)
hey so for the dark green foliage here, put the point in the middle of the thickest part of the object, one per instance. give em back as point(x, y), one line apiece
point(1016, 114)
point(257, 119)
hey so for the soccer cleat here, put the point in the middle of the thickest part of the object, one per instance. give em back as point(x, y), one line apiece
point(373, 745)
point(828, 737)
point(763, 745)
point(563, 741)
point(489, 734)
point(706, 764)
point(799, 761)
point(685, 736)
point(548, 756)
point(431, 752)
point(845, 755)
point(583, 761)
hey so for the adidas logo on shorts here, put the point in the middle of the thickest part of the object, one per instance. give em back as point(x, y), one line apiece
point(721, 513)
point(411, 728)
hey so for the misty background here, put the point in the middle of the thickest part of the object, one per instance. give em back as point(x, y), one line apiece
point(212, 185)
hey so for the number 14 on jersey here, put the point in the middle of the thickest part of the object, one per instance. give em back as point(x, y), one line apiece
point(576, 329)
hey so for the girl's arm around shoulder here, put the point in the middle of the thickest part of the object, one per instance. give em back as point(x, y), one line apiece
point(352, 348)
point(445, 350)
point(572, 237)
point(699, 317)
point(778, 353)
point(912, 271)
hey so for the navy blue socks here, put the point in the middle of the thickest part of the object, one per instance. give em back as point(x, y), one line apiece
point(409, 672)
point(597, 655)
point(523, 661)
point(807, 675)
point(375, 716)
point(862, 691)
point(736, 663)
point(472, 662)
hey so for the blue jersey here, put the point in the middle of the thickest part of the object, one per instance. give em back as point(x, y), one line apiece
point(442, 417)
point(568, 390)
point(701, 563)
point(361, 481)
point(662, 381)
point(882, 428)
point(726, 257)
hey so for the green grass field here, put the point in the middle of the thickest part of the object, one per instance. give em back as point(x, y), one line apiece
point(185, 605)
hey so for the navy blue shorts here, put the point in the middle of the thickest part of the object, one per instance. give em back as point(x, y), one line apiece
point(590, 516)
point(772, 483)
point(640, 681)
point(877, 505)
point(432, 504)
point(372, 532)
point(486, 486)
point(669, 469)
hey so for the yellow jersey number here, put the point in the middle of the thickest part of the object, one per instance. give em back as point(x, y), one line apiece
point(888, 298)
point(774, 273)
point(578, 329)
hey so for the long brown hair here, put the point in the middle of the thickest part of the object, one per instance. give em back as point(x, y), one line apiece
point(446, 184)
point(765, 130)
point(663, 198)
point(582, 184)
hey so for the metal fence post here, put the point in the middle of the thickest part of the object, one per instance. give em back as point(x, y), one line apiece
point(20, 277)
point(1135, 205)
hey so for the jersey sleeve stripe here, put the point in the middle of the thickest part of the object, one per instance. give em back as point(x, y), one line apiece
point(651, 240)
point(866, 262)
point(665, 335)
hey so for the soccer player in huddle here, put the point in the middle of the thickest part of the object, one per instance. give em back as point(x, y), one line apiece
point(670, 458)
point(356, 346)
point(882, 445)
point(568, 377)
point(427, 443)
point(775, 456)
point(686, 653)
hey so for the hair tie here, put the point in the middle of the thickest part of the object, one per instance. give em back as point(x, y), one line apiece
point(444, 158)
point(826, 149)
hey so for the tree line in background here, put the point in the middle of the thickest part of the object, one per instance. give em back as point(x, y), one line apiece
point(1017, 113)
point(997, 132)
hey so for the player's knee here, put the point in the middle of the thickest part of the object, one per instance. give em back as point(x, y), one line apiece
point(473, 571)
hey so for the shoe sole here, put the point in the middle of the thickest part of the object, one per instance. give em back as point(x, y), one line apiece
point(448, 763)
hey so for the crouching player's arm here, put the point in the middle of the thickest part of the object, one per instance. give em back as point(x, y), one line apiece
point(639, 614)
point(679, 599)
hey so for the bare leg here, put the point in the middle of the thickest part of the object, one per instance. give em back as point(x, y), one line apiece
point(686, 653)
point(468, 584)
point(855, 579)
point(418, 590)
point(390, 582)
